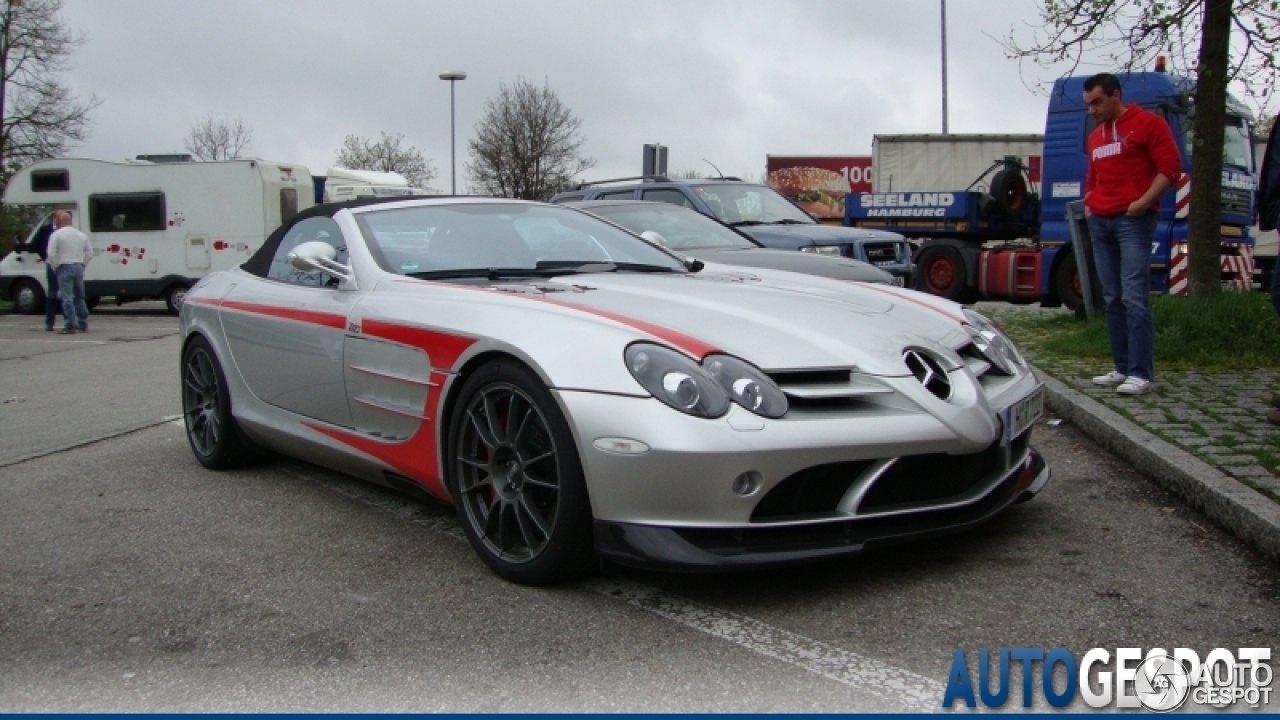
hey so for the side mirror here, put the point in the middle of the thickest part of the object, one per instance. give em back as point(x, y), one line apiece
point(654, 238)
point(319, 256)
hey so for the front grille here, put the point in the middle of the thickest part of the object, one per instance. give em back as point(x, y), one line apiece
point(929, 372)
point(826, 388)
point(882, 254)
point(1236, 201)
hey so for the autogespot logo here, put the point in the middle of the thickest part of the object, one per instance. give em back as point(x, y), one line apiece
point(1159, 681)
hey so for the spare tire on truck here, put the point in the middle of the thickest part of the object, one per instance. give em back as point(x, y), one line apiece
point(1009, 191)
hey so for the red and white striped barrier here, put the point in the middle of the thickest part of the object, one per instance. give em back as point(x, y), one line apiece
point(1239, 265)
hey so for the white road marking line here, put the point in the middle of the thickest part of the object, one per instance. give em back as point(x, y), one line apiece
point(55, 340)
point(915, 693)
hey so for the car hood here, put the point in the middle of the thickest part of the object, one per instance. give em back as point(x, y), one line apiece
point(776, 320)
point(792, 261)
point(816, 234)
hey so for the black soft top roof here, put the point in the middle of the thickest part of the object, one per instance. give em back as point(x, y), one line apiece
point(260, 263)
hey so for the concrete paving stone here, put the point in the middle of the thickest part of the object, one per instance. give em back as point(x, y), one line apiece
point(1234, 460)
point(1193, 441)
point(1168, 426)
point(1219, 450)
point(1250, 471)
point(1179, 434)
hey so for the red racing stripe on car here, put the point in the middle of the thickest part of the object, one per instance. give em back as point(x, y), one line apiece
point(443, 349)
point(905, 296)
point(338, 322)
point(691, 345)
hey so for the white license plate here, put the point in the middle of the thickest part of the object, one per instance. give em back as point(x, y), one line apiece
point(1021, 415)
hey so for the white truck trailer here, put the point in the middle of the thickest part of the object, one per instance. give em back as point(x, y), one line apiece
point(923, 163)
point(156, 228)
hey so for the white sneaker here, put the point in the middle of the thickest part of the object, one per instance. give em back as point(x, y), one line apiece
point(1135, 386)
point(1111, 379)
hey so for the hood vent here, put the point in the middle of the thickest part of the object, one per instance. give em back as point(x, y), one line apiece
point(929, 372)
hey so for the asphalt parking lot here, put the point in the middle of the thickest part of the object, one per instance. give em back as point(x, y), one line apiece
point(135, 580)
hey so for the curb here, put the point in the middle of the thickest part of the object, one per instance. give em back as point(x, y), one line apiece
point(1238, 508)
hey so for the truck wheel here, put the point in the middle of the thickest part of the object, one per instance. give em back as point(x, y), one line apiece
point(174, 297)
point(92, 301)
point(1066, 281)
point(940, 271)
point(28, 297)
point(1009, 189)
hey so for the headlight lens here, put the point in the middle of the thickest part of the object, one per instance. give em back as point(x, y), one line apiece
point(823, 250)
point(676, 380)
point(993, 344)
point(748, 387)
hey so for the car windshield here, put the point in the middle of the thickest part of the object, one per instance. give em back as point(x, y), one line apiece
point(681, 229)
point(744, 204)
point(455, 239)
point(1236, 151)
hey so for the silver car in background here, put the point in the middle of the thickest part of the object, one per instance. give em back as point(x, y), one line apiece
point(578, 393)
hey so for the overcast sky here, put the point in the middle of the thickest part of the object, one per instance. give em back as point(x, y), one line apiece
point(729, 81)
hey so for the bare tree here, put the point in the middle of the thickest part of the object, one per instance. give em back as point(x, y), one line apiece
point(527, 145)
point(1197, 34)
point(387, 155)
point(211, 139)
point(39, 117)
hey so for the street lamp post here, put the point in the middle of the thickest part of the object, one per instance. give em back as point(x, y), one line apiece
point(452, 77)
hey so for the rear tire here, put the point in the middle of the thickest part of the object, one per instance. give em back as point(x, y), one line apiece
point(215, 438)
point(940, 270)
point(28, 297)
point(516, 479)
point(174, 297)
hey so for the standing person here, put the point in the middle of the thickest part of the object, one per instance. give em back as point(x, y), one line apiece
point(1268, 209)
point(69, 253)
point(40, 245)
point(1133, 160)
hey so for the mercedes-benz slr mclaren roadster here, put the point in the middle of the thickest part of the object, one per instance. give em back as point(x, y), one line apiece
point(579, 394)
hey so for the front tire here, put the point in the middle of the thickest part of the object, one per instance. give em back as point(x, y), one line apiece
point(28, 297)
point(1066, 280)
point(516, 479)
point(215, 438)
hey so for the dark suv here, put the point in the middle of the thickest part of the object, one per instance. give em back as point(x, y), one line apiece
point(761, 212)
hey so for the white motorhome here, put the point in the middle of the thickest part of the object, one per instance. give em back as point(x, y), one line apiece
point(342, 184)
point(156, 228)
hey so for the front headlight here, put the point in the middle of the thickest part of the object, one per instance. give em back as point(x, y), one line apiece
point(748, 387)
point(823, 250)
point(676, 380)
point(993, 344)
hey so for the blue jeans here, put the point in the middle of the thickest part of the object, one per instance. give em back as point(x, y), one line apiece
point(1122, 253)
point(71, 286)
point(51, 301)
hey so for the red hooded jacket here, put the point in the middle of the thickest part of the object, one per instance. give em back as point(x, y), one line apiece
point(1124, 158)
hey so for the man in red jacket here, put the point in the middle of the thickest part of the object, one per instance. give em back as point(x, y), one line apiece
point(1133, 160)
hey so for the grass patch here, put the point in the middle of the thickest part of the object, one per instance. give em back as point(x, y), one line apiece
point(1233, 331)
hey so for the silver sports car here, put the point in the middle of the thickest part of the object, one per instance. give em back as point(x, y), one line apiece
point(578, 393)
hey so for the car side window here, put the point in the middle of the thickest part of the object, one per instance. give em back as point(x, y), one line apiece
point(669, 196)
point(317, 228)
point(617, 195)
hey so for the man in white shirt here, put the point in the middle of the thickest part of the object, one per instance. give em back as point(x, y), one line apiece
point(69, 253)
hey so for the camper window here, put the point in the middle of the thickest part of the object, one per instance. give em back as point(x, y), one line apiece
point(126, 212)
point(50, 181)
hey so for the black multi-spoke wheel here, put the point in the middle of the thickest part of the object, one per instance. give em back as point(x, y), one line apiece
point(206, 409)
point(515, 476)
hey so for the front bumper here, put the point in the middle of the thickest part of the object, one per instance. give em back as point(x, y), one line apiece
point(763, 545)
